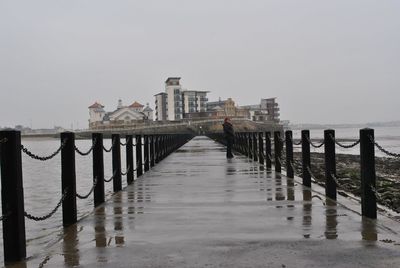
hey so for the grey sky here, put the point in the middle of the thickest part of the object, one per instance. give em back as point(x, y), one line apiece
point(326, 61)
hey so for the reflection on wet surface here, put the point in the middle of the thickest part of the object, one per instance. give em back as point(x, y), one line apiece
point(307, 213)
point(99, 228)
point(331, 219)
point(368, 230)
point(71, 245)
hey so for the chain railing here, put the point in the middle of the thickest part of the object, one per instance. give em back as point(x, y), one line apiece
point(383, 150)
point(42, 218)
point(87, 152)
point(90, 192)
point(43, 158)
point(112, 145)
point(112, 177)
point(379, 197)
point(4, 140)
point(4, 216)
point(126, 172)
point(296, 143)
point(318, 197)
point(345, 146)
point(343, 186)
point(122, 144)
point(313, 144)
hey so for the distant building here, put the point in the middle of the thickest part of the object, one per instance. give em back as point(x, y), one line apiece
point(175, 102)
point(194, 101)
point(123, 115)
point(267, 110)
point(220, 109)
point(174, 98)
point(161, 106)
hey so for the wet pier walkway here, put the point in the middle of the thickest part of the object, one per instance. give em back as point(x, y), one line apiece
point(198, 209)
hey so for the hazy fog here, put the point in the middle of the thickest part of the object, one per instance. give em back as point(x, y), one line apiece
point(326, 61)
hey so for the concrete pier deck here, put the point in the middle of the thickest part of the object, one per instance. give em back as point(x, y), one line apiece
point(198, 209)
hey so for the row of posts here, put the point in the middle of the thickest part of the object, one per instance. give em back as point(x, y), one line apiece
point(252, 145)
point(155, 148)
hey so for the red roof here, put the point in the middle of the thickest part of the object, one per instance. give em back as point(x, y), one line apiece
point(136, 105)
point(96, 105)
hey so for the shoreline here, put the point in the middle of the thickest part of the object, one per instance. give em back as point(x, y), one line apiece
point(348, 175)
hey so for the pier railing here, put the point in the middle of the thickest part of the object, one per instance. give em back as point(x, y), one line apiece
point(258, 147)
point(151, 151)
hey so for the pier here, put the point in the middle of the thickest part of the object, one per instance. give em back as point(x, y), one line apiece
point(191, 207)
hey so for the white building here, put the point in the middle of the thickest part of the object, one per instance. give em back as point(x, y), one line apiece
point(176, 101)
point(96, 113)
point(194, 101)
point(174, 98)
point(148, 112)
point(267, 110)
point(161, 106)
point(123, 115)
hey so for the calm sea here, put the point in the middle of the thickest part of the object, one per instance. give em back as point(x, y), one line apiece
point(388, 137)
point(42, 184)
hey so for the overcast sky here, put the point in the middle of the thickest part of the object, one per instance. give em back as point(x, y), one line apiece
point(325, 61)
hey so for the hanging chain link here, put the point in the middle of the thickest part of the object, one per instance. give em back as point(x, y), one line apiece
point(312, 175)
point(4, 140)
point(112, 145)
point(344, 145)
point(379, 197)
point(90, 192)
point(318, 197)
point(43, 158)
point(31, 217)
point(313, 144)
point(338, 184)
point(88, 152)
point(383, 150)
point(122, 144)
point(127, 170)
point(298, 143)
point(3, 217)
point(112, 177)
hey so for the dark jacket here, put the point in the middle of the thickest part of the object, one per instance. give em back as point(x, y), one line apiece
point(229, 132)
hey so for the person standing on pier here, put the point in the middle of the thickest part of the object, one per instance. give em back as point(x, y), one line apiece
point(229, 134)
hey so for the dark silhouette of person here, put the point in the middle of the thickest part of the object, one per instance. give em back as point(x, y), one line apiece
point(229, 134)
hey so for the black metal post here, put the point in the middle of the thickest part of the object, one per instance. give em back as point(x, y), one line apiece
point(289, 154)
point(255, 153)
point(116, 162)
point(129, 159)
point(260, 148)
point(268, 149)
point(139, 163)
point(68, 178)
point(98, 168)
point(146, 154)
point(368, 174)
point(152, 160)
point(12, 196)
point(250, 146)
point(306, 157)
point(278, 151)
point(162, 147)
point(157, 149)
point(330, 163)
